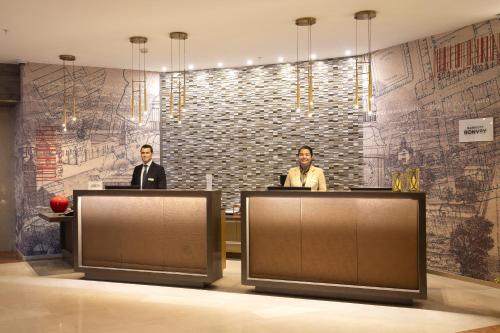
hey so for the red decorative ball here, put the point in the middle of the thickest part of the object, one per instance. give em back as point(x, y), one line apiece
point(59, 203)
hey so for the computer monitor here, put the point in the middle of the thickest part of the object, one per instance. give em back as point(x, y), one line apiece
point(370, 188)
point(282, 180)
point(289, 188)
point(121, 187)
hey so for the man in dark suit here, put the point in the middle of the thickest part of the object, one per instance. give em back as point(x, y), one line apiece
point(149, 175)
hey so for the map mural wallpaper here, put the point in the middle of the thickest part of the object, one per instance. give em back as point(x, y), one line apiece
point(102, 145)
point(422, 89)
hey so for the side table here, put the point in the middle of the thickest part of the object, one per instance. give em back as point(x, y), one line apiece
point(65, 231)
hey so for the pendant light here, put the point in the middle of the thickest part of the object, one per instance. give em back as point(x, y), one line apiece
point(364, 15)
point(71, 58)
point(139, 84)
point(180, 37)
point(305, 22)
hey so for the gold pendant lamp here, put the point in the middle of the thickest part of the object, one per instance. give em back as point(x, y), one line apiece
point(139, 83)
point(71, 58)
point(305, 22)
point(180, 37)
point(364, 15)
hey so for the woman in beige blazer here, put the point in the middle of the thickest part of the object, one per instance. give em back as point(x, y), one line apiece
point(306, 175)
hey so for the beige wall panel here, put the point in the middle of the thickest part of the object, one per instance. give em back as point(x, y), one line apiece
point(274, 238)
point(329, 252)
point(387, 243)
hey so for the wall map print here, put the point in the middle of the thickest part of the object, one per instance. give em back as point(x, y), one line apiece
point(416, 125)
point(103, 144)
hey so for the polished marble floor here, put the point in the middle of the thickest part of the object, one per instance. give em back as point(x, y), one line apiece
point(47, 296)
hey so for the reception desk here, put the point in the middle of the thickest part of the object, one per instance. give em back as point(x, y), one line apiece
point(148, 236)
point(363, 245)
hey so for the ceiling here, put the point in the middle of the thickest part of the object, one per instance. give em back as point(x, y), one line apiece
point(227, 31)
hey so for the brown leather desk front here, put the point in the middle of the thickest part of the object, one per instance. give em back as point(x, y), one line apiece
point(149, 236)
point(361, 245)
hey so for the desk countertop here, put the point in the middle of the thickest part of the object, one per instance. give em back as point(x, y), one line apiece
point(55, 217)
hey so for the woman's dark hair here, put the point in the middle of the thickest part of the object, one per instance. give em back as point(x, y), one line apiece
point(306, 147)
point(151, 148)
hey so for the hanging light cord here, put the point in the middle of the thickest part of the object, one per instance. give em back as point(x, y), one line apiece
point(74, 97)
point(309, 42)
point(140, 84)
point(145, 89)
point(171, 110)
point(179, 101)
point(309, 69)
point(370, 37)
point(356, 40)
point(184, 75)
point(132, 84)
point(356, 96)
point(370, 79)
point(64, 95)
point(298, 74)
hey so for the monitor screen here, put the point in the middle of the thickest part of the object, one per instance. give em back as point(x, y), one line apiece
point(289, 188)
point(371, 188)
point(121, 187)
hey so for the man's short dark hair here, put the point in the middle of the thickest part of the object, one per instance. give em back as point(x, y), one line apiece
point(306, 147)
point(147, 146)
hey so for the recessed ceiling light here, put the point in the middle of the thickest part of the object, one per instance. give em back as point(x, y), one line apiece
point(164, 69)
point(347, 52)
point(191, 67)
point(249, 62)
point(313, 56)
point(281, 59)
point(220, 64)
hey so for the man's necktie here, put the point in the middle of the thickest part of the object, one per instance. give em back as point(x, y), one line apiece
point(144, 175)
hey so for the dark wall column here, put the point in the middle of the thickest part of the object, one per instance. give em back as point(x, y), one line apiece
point(9, 97)
point(9, 84)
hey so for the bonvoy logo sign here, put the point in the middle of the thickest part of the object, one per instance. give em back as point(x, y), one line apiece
point(474, 130)
point(479, 129)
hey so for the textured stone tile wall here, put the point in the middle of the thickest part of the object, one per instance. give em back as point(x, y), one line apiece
point(240, 125)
